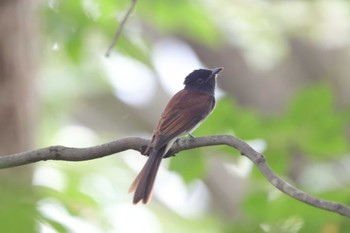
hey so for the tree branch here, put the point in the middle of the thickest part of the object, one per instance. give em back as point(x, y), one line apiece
point(138, 144)
point(120, 28)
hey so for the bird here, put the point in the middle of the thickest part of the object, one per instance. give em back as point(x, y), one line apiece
point(185, 111)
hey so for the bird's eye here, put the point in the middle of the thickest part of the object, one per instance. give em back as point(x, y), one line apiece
point(200, 81)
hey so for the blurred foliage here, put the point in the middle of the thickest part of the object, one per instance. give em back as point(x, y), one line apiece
point(311, 125)
point(17, 210)
point(190, 165)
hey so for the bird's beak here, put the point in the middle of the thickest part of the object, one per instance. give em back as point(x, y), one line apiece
point(214, 72)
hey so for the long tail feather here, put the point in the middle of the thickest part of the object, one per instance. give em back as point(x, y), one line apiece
point(143, 183)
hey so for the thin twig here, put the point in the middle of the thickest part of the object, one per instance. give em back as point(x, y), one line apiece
point(138, 144)
point(120, 28)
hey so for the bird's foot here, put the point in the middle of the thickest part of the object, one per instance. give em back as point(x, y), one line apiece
point(191, 137)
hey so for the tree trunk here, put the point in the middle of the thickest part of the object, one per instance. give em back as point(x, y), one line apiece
point(17, 202)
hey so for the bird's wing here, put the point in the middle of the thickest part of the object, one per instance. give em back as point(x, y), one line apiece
point(183, 112)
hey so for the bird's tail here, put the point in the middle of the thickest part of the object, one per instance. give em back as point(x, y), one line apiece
point(143, 183)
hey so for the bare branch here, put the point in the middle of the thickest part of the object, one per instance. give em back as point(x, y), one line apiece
point(72, 154)
point(120, 28)
point(138, 144)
